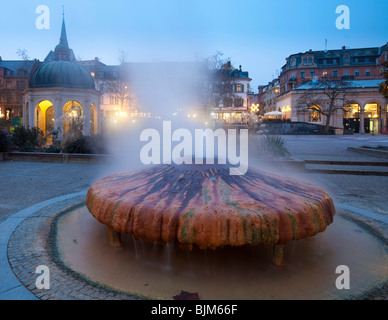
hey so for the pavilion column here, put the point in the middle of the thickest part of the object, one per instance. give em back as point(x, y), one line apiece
point(86, 109)
point(32, 113)
point(58, 116)
point(98, 117)
point(383, 117)
point(25, 117)
point(362, 130)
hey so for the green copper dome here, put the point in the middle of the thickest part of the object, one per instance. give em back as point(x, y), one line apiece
point(63, 74)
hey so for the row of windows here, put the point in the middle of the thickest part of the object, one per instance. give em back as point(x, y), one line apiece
point(101, 74)
point(238, 102)
point(334, 74)
point(231, 88)
point(20, 85)
point(309, 60)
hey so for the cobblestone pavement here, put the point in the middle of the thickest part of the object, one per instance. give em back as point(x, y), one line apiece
point(29, 239)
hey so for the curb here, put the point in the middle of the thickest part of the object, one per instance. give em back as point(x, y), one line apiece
point(10, 286)
point(372, 152)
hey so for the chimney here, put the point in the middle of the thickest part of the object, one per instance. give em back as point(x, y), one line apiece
point(240, 68)
point(1, 59)
point(343, 47)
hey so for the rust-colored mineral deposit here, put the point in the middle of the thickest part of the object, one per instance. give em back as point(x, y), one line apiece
point(205, 206)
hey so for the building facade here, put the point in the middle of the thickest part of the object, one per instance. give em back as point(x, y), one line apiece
point(344, 64)
point(364, 110)
point(233, 89)
point(361, 70)
point(14, 76)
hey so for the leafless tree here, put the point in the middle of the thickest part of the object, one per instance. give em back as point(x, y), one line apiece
point(384, 84)
point(22, 53)
point(325, 97)
point(118, 91)
point(218, 89)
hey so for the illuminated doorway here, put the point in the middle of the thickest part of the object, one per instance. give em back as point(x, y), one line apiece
point(372, 118)
point(73, 119)
point(44, 119)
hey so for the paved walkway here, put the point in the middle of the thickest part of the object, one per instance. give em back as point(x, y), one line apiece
point(31, 194)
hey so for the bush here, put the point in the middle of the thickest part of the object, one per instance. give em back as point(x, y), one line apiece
point(28, 138)
point(27, 149)
point(5, 140)
point(53, 149)
point(87, 145)
point(275, 146)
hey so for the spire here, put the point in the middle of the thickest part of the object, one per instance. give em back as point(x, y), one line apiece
point(63, 38)
point(62, 50)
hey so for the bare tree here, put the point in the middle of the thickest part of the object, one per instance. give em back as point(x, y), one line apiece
point(118, 91)
point(123, 57)
point(22, 53)
point(325, 97)
point(384, 85)
point(218, 89)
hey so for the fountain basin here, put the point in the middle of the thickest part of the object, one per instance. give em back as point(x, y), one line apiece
point(203, 205)
point(162, 271)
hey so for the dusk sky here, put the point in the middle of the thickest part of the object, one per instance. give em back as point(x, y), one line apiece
point(257, 34)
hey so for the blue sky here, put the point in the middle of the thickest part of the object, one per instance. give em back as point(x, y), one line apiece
point(258, 34)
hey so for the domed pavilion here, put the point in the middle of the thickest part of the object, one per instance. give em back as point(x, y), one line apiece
point(60, 93)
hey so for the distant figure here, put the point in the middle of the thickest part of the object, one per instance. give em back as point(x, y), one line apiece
point(54, 135)
point(57, 139)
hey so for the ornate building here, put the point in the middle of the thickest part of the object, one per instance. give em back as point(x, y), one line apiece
point(360, 70)
point(14, 76)
point(233, 91)
point(62, 94)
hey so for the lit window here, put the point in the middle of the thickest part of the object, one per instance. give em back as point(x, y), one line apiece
point(315, 114)
point(324, 74)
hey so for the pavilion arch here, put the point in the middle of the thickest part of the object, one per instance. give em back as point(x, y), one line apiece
point(73, 114)
point(44, 116)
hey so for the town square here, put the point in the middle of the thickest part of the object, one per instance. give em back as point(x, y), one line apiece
point(161, 151)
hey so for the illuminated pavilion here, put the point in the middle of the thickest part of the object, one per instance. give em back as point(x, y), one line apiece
point(61, 92)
